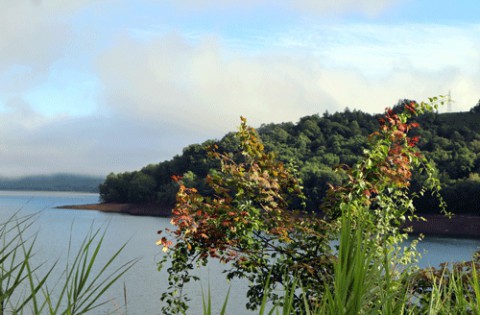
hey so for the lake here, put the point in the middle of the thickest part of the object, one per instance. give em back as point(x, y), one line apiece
point(143, 283)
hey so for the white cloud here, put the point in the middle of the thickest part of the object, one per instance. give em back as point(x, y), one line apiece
point(161, 93)
point(392, 61)
point(204, 88)
point(34, 33)
point(380, 48)
point(32, 143)
point(368, 7)
point(351, 89)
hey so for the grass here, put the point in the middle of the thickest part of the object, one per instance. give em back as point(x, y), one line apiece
point(364, 283)
point(80, 289)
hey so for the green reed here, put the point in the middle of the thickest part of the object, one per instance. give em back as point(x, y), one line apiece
point(79, 289)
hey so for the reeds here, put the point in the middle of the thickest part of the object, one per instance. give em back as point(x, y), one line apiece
point(26, 288)
point(367, 283)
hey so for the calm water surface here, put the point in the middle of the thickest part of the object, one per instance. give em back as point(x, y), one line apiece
point(144, 283)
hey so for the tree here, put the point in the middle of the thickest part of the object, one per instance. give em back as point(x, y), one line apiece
point(250, 222)
point(141, 188)
point(476, 109)
point(115, 187)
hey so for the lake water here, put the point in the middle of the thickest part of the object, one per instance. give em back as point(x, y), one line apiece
point(143, 283)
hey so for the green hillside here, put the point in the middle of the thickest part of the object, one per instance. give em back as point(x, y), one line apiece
point(314, 146)
point(462, 119)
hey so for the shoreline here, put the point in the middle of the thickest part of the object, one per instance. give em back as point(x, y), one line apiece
point(152, 210)
point(463, 226)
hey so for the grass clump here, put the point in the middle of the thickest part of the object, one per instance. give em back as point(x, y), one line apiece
point(29, 288)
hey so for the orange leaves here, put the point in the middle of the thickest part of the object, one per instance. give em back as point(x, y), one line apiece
point(165, 243)
point(251, 197)
point(397, 135)
point(411, 107)
point(176, 178)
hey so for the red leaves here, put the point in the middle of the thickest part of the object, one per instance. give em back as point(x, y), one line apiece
point(388, 164)
point(413, 141)
point(411, 107)
point(401, 152)
point(176, 178)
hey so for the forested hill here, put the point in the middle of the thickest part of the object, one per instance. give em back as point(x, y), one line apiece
point(315, 145)
point(55, 182)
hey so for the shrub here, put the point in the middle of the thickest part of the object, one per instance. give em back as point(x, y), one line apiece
point(255, 223)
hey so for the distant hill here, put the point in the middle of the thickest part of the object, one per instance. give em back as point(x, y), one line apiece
point(55, 182)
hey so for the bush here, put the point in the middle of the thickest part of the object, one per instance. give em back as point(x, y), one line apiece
point(256, 224)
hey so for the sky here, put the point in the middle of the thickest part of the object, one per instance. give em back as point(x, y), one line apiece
point(100, 86)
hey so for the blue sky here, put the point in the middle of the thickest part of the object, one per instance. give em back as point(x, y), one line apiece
point(94, 86)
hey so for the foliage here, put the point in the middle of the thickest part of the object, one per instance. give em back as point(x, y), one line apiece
point(449, 289)
point(14, 271)
point(446, 290)
point(24, 286)
point(316, 144)
point(372, 266)
point(250, 224)
point(476, 108)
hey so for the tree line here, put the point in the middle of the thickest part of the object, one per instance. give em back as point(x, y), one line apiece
point(314, 147)
point(53, 182)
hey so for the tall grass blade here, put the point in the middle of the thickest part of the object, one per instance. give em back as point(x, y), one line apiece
point(223, 311)
point(81, 287)
point(207, 303)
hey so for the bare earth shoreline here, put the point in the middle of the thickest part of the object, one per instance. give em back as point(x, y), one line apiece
point(458, 226)
point(467, 226)
point(153, 210)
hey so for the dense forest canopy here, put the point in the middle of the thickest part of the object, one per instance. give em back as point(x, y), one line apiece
point(315, 145)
